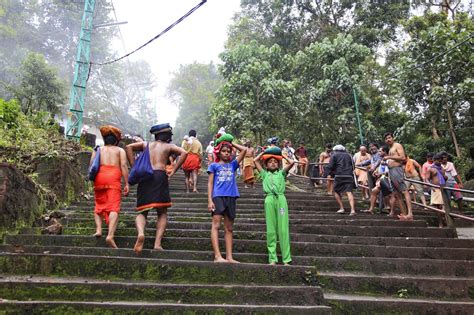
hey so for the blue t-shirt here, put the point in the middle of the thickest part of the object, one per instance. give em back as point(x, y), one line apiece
point(225, 184)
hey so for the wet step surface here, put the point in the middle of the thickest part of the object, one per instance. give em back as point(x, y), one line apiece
point(341, 264)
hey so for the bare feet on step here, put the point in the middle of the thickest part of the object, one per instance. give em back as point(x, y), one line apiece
point(139, 244)
point(220, 260)
point(233, 261)
point(110, 242)
point(98, 234)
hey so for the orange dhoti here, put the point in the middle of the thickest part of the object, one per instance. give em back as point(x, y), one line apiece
point(249, 177)
point(107, 189)
point(192, 163)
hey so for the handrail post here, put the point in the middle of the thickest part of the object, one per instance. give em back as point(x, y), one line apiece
point(447, 207)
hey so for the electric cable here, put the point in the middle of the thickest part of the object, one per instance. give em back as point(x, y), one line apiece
point(155, 37)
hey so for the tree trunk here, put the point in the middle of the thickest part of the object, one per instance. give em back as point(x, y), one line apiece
point(434, 131)
point(453, 134)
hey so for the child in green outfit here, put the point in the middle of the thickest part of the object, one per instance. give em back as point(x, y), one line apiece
point(276, 207)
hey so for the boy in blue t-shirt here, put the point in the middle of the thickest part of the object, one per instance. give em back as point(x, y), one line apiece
point(222, 194)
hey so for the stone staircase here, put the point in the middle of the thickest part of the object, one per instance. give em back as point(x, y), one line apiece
point(367, 264)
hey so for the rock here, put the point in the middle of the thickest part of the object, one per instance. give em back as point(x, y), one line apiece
point(20, 203)
point(61, 177)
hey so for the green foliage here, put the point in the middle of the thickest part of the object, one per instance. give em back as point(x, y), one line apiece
point(9, 112)
point(434, 77)
point(39, 89)
point(192, 89)
point(26, 137)
point(256, 96)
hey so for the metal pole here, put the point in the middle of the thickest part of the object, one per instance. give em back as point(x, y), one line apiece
point(358, 117)
point(81, 73)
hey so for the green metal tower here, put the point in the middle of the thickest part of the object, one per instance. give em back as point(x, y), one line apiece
point(81, 73)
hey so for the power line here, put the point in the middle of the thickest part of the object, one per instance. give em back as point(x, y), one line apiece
point(108, 99)
point(154, 38)
point(439, 55)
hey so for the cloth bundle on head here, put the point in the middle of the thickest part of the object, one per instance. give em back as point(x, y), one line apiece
point(339, 147)
point(272, 152)
point(110, 130)
point(156, 129)
point(273, 140)
point(227, 137)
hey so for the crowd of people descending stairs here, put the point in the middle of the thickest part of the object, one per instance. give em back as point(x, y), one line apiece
point(154, 163)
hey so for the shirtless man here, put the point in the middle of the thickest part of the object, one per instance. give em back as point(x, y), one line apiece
point(107, 186)
point(437, 176)
point(396, 157)
point(153, 192)
point(324, 158)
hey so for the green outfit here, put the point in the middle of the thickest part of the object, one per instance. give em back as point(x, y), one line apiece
point(276, 214)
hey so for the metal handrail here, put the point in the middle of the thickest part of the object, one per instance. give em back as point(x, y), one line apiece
point(446, 200)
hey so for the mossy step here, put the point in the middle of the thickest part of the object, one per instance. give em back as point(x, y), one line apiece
point(360, 304)
point(330, 213)
point(205, 217)
point(71, 289)
point(154, 270)
point(295, 237)
point(250, 199)
point(441, 287)
point(132, 308)
point(203, 205)
point(371, 265)
point(253, 246)
point(341, 230)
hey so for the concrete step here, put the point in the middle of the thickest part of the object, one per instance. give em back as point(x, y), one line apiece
point(361, 304)
point(203, 205)
point(373, 265)
point(341, 230)
point(295, 237)
point(294, 220)
point(441, 287)
point(89, 289)
point(154, 270)
point(87, 307)
point(254, 246)
point(247, 213)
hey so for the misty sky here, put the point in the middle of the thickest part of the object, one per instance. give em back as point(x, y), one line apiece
point(199, 38)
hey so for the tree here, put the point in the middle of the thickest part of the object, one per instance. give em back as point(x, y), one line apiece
point(39, 88)
point(434, 72)
point(192, 89)
point(295, 24)
point(257, 93)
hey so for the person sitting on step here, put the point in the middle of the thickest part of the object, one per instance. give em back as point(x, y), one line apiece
point(276, 206)
point(222, 193)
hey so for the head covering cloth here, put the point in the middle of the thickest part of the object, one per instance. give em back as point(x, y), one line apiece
point(110, 130)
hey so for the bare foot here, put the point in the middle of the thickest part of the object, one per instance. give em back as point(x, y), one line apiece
point(405, 217)
point(139, 244)
point(272, 263)
point(195, 191)
point(352, 213)
point(233, 261)
point(220, 260)
point(110, 242)
point(158, 248)
point(98, 234)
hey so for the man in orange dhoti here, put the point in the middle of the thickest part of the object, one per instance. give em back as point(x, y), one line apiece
point(248, 165)
point(107, 186)
point(193, 161)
